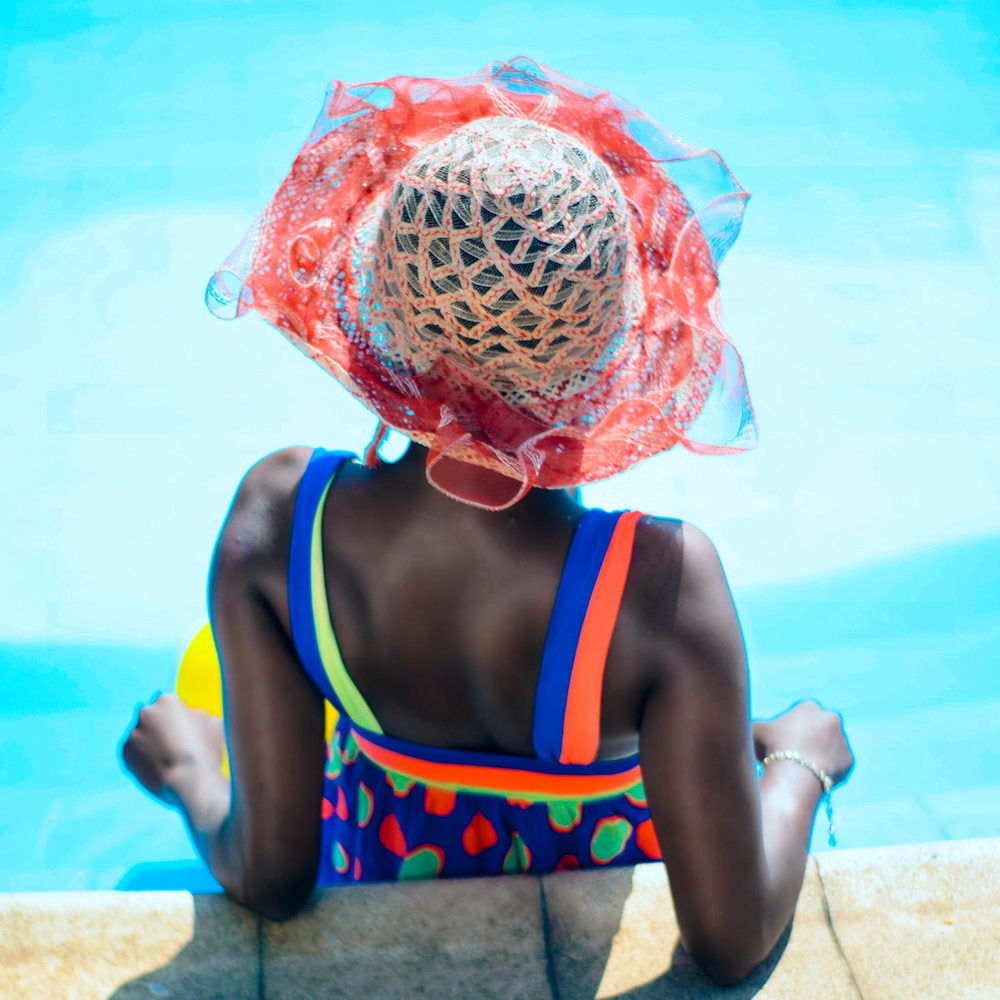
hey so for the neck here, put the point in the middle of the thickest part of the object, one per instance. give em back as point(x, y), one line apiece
point(409, 473)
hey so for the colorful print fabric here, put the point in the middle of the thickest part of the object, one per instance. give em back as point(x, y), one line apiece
point(378, 826)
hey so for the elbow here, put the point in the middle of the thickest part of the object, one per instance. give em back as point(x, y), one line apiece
point(275, 901)
point(279, 910)
point(275, 896)
point(728, 961)
point(724, 969)
point(270, 882)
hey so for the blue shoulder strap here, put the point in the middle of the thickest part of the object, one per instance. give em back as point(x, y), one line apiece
point(322, 467)
point(583, 564)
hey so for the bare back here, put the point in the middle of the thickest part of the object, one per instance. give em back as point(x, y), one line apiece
point(441, 610)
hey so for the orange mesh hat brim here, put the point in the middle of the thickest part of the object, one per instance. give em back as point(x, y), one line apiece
point(643, 374)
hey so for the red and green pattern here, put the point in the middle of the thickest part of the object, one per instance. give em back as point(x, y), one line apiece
point(379, 826)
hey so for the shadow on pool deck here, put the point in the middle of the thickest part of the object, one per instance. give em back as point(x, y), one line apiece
point(513, 938)
point(917, 921)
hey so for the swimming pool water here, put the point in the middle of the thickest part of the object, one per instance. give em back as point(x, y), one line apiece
point(908, 651)
point(862, 296)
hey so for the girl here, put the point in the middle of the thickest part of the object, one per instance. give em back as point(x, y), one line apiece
point(519, 273)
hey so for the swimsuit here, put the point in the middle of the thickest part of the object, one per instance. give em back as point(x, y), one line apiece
point(397, 810)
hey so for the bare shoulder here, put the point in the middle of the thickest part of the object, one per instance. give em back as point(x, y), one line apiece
point(676, 554)
point(257, 528)
point(687, 588)
point(274, 478)
point(707, 627)
point(702, 577)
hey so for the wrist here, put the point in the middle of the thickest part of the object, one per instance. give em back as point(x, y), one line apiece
point(199, 791)
point(794, 757)
point(795, 786)
point(784, 781)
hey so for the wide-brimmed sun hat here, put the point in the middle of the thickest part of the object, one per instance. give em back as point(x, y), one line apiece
point(515, 269)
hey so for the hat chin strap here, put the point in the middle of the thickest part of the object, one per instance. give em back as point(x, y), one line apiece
point(372, 457)
point(473, 484)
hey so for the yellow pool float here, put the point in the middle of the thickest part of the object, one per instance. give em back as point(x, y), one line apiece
point(199, 682)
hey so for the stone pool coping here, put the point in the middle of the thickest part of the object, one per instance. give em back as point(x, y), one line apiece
point(915, 921)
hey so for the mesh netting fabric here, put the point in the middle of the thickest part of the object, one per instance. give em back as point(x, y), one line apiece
point(512, 268)
point(504, 246)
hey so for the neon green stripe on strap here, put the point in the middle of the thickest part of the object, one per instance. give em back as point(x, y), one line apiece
point(329, 652)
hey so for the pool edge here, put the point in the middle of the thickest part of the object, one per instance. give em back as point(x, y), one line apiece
point(905, 921)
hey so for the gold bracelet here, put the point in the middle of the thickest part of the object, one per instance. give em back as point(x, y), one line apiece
point(821, 776)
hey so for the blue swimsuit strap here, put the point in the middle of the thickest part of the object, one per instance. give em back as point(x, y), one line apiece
point(583, 565)
point(323, 466)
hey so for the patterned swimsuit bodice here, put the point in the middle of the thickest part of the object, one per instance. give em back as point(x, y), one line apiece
point(394, 809)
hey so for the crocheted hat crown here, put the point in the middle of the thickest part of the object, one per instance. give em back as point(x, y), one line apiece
point(538, 301)
point(504, 247)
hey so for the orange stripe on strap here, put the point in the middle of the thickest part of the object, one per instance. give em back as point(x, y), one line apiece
point(582, 724)
point(510, 781)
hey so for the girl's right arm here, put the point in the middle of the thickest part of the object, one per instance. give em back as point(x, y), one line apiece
point(258, 831)
point(735, 848)
point(266, 853)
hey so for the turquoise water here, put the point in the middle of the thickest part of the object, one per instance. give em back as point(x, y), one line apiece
point(862, 537)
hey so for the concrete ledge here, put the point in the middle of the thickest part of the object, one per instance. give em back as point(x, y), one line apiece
point(462, 937)
point(915, 921)
point(93, 945)
point(921, 920)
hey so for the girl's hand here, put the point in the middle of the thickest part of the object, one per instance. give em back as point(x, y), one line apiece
point(811, 731)
point(169, 743)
